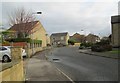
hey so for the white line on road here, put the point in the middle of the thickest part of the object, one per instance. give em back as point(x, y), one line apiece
point(65, 75)
point(63, 72)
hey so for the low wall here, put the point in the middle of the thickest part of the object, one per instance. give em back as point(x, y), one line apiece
point(31, 51)
point(13, 71)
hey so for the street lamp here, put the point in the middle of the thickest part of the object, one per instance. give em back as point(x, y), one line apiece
point(46, 39)
point(32, 32)
point(39, 12)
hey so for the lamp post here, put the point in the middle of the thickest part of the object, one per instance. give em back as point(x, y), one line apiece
point(32, 33)
point(46, 39)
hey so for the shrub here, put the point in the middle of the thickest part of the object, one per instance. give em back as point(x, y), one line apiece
point(103, 45)
point(86, 44)
point(70, 41)
point(24, 40)
point(101, 48)
point(97, 48)
point(103, 42)
point(107, 47)
point(48, 45)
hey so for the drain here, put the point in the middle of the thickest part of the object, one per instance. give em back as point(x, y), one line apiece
point(56, 60)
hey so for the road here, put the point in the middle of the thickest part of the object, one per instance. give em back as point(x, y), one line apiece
point(83, 67)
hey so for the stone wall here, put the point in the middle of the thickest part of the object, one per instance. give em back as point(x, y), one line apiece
point(32, 50)
point(13, 71)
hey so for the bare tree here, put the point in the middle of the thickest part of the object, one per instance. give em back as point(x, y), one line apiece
point(21, 16)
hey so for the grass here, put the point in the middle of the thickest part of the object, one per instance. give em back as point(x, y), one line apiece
point(115, 51)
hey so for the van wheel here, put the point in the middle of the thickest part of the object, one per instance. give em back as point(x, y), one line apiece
point(6, 58)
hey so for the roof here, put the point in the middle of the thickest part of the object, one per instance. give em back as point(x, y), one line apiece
point(115, 19)
point(59, 34)
point(24, 27)
point(77, 37)
point(92, 35)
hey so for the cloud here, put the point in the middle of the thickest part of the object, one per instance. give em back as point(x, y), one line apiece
point(60, 0)
point(70, 16)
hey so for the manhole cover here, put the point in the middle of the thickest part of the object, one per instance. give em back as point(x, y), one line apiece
point(56, 60)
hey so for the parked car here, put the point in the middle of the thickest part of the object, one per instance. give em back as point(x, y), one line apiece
point(5, 53)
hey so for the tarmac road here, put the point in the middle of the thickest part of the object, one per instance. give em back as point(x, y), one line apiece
point(83, 67)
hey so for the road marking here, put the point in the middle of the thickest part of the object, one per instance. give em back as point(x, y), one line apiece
point(65, 75)
point(62, 72)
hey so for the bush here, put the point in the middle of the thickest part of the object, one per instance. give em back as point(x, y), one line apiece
point(103, 42)
point(97, 48)
point(5, 43)
point(86, 44)
point(70, 41)
point(107, 47)
point(103, 45)
point(101, 48)
point(24, 40)
point(48, 45)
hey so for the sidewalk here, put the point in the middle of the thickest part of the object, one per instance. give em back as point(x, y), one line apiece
point(101, 54)
point(39, 69)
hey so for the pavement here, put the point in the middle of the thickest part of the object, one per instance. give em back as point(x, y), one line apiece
point(40, 69)
point(101, 54)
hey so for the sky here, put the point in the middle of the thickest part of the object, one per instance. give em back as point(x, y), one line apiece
point(81, 16)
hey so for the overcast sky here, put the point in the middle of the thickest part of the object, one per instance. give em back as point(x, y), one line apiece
point(67, 15)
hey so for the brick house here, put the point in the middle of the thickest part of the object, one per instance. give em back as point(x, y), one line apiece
point(91, 38)
point(59, 38)
point(115, 37)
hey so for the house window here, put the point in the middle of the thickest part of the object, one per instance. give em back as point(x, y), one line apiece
point(62, 38)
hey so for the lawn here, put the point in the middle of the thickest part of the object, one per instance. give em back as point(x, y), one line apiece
point(115, 51)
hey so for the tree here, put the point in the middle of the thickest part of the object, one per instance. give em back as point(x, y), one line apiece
point(20, 16)
point(71, 41)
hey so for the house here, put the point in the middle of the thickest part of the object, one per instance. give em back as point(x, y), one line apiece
point(33, 30)
point(59, 38)
point(32, 33)
point(91, 38)
point(105, 38)
point(78, 38)
point(115, 37)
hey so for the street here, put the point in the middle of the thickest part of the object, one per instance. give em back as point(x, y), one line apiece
point(39, 69)
point(83, 67)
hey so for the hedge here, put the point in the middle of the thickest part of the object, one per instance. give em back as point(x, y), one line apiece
point(24, 40)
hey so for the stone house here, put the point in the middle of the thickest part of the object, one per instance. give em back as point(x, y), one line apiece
point(59, 38)
point(91, 38)
point(33, 30)
point(115, 37)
